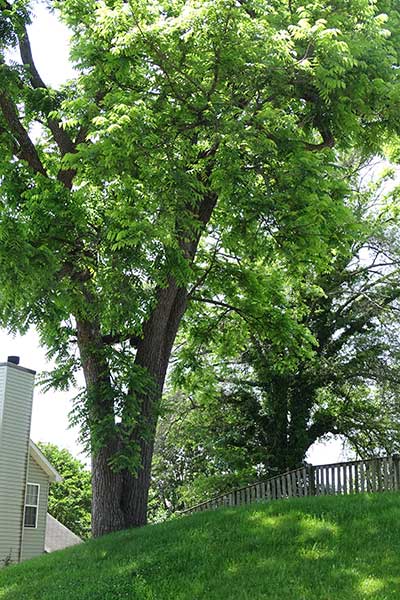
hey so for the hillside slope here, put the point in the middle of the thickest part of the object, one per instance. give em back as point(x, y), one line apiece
point(330, 548)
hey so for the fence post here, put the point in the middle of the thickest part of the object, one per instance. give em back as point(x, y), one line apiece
point(311, 479)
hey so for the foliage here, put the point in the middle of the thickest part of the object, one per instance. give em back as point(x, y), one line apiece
point(320, 548)
point(185, 118)
point(103, 247)
point(268, 370)
point(200, 452)
point(69, 500)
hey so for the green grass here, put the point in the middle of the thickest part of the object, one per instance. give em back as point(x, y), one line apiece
point(331, 548)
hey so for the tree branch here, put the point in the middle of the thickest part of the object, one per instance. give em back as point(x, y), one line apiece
point(357, 325)
point(60, 136)
point(328, 142)
point(205, 273)
point(250, 11)
point(218, 303)
point(323, 425)
point(26, 148)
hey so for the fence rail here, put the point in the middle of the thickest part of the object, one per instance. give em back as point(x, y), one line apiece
point(357, 476)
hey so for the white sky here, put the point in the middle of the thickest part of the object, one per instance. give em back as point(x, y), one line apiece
point(49, 40)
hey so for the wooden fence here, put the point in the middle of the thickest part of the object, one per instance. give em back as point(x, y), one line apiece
point(357, 476)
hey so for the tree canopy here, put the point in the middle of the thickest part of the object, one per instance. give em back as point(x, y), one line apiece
point(190, 128)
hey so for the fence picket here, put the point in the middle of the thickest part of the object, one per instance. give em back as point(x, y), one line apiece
point(320, 481)
point(262, 491)
point(295, 483)
point(339, 479)
point(317, 490)
point(350, 474)
point(391, 474)
point(385, 472)
point(282, 480)
point(327, 484)
point(333, 481)
point(274, 490)
point(323, 481)
point(362, 478)
point(269, 491)
point(344, 479)
point(304, 482)
point(395, 473)
point(367, 476)
point(278, 488)
point(312, 481)
point(356, 479)
point(373, 476)
point(288, 486)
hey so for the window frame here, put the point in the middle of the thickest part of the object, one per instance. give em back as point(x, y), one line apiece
point(37, 485)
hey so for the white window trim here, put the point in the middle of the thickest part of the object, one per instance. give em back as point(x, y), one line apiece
point(32, 505)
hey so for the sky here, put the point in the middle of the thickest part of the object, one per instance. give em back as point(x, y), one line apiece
point(49, 40)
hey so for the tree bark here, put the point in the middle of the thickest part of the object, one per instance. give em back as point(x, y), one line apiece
point(120, 498)
point(107, 514)
point(107, 486)
point(153, 354)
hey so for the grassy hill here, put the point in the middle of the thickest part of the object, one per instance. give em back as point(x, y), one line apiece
point(330, 548)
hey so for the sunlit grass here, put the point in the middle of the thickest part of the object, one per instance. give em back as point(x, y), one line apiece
point(331, 548)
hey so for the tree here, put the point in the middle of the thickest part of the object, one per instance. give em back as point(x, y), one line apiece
point(327, 363)
point(70, 500)
point(201, 450)
point(189, 125)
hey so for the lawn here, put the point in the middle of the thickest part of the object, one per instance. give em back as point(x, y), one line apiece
point(326, 548)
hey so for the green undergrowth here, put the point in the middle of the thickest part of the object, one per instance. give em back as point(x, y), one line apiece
point(330, 548)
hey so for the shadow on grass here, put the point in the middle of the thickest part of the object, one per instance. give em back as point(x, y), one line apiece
point(345, 548)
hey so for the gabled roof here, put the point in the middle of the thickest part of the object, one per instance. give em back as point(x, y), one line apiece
point(42, 461)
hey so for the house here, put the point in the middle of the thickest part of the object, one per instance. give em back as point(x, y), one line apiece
point(25, 474)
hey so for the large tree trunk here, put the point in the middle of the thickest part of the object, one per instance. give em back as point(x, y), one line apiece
point(107, 486)
point(107, 514)
point(153, 354)
point(120, 497)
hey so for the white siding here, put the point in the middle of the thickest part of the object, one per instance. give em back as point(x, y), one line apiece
point(33, 539)
point(2, 388)
point(16, 390)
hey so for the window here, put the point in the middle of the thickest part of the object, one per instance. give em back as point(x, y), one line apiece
point(31, 505)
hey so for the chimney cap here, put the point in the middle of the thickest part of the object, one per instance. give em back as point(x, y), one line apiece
point(13, 359)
